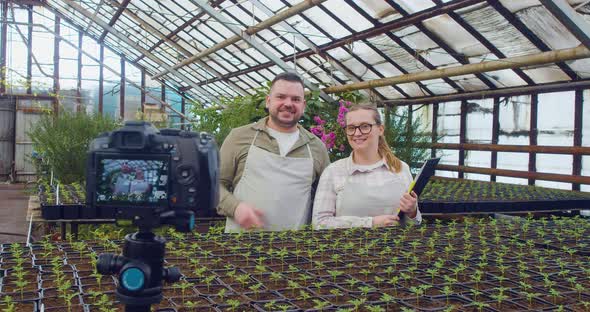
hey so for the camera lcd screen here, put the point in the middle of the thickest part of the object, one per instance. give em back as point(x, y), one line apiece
point(136, 182)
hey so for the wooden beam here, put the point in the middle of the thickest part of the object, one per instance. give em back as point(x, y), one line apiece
point(518, 174)
point(495, 134)
point(487, 94)
point(56, 40)
point(182, 110)
point(434, 137)
point(122, 90)
point(578, 128)
point(3, 39)
point(533, 131)
point(362, 35)
point(576, 53)
point(462, 134)
point(294, 10)
point(527, 33)
point(114, 19)
point(142, 100)
point(30, 51)
point(543, 149)
point(79, 77)
point(101, 80)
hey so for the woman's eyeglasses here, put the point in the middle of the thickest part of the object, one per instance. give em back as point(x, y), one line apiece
point(363, 128)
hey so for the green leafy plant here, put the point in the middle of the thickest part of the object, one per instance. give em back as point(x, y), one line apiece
point(62, 142)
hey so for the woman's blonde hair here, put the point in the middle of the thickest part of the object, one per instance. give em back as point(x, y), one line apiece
point(394, 164)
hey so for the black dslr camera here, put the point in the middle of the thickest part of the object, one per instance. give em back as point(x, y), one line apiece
point(152, 178)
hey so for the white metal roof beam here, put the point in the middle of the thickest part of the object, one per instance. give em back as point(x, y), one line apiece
point(571, 19)
point(253, 43)
point(150, 29)
point(345, 71)
point(147, 53)
point(250, 31)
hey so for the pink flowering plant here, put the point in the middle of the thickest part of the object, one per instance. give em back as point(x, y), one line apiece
point(328, 125)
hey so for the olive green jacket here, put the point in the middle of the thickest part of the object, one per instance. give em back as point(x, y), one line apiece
point(235, 149)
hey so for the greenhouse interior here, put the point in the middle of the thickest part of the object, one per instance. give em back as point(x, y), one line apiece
point(294, 155)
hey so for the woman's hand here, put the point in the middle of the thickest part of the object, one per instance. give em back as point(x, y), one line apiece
point(385, 220)
point(408, 204)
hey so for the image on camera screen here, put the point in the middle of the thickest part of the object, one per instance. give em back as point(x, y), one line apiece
point(132, 181)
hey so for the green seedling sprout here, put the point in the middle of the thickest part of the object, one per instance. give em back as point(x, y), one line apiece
point(320, 304)
point(334, 274)
point(337, 293)
point(233, 304)
point(256, 289)
point(9, 305)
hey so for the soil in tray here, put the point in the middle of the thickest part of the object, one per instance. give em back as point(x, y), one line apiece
point(210, 290)
point(205, 308)
point(92, 280)
point(20, 307)
point(17, 296)
point(425, 303)
point(324, 290)
point(263, 296)
point(308, 303)
point(88, 288)
point(73, 308)
point(533, 305)
point(58, 302)
point(12, 287)
point(241, 307)
point(223, 300)
point(194, 300)
point(506, 306)
point(398, 293)
point(96, 308)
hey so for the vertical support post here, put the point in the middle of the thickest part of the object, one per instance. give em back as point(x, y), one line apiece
point(122, 90)
point(182, 110)
point(101, 80)
point(462, 139)
point(533, 135)
point(163, 98)
point(56, 41)
point(30, 51)
point(495, 135)
point(3, 39)
point(409, 133)
point(79, 82)
point(142, 90)
point(578, 126)
point(434, 128)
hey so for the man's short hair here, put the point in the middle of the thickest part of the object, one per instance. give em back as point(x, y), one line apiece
point(288, 76)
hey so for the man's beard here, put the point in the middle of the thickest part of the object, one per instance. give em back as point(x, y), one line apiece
point(275, 119)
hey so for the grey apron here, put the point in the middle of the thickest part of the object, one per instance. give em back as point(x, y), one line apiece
point(279, 186)
point(361, 200)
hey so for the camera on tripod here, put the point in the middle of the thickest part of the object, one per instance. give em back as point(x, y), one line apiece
point(151, 177)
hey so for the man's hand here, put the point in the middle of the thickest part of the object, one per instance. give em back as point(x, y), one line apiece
point(407, 204)
point(248, 216)
point(385, 220)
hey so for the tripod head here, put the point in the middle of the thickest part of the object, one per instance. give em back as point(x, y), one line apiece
point(141, 268)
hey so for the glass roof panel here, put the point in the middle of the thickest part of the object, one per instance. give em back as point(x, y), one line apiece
point(496, 29)
point(348, 15)
point(328, 24)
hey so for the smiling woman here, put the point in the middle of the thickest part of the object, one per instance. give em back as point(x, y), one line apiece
point(366, 188)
